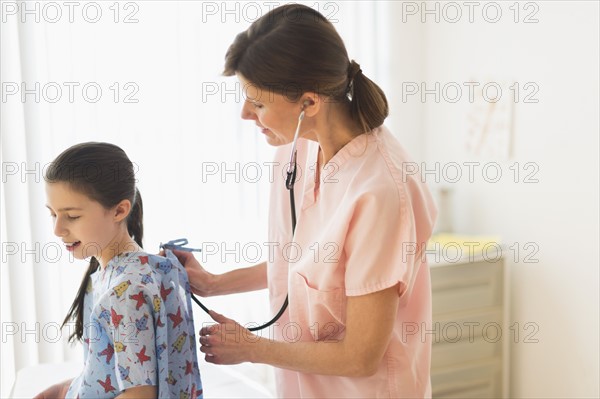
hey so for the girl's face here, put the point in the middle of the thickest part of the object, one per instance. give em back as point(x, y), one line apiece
point(276, 115)
point(84, 225)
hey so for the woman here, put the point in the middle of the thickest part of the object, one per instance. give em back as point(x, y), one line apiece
point(358, 284)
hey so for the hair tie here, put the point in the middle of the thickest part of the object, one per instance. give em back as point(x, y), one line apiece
point(353, 71)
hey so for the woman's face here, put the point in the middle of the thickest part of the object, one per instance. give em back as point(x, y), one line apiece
point(275, 114)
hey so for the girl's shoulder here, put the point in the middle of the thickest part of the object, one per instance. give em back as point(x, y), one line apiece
point(149, 268)
point(161, 263)
point(142, 260)
point(141, 267)
point(141, 270)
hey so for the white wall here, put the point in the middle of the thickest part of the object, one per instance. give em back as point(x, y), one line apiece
point(558, 214)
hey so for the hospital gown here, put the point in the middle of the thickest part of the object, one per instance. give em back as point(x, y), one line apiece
point(138, 330)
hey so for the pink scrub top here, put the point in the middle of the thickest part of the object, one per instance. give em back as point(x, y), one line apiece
point(362, 228)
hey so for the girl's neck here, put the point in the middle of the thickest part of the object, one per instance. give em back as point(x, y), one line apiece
point(122, 243)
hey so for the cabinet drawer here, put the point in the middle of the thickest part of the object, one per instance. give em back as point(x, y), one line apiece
point(478, 380)
point(461, 352)
point(466, 286)
point(470, 325)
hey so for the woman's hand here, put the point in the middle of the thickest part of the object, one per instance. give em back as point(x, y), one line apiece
point(227, 342)
point(201, 281)
point(56, 391)
point(359, 352)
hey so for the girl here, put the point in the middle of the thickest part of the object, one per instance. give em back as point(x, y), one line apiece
point(359, 317)
point(133, 309)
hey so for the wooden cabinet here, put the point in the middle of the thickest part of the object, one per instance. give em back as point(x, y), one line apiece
point(469, 351)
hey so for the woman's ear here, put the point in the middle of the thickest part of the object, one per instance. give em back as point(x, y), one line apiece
point(121, 210)
point(311, 103)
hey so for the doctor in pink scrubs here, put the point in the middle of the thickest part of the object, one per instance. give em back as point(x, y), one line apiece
point(359, 317)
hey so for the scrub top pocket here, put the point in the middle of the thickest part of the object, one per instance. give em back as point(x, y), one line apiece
point(319, 314)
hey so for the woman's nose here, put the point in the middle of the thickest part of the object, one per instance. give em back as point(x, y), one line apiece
point(247, 112)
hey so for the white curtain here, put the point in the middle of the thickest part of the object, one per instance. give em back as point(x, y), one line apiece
point(145, 76)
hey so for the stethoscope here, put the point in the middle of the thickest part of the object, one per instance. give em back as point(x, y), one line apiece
point(289, 184)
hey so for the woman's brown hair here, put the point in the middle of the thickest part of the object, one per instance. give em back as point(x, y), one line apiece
point(294, 49)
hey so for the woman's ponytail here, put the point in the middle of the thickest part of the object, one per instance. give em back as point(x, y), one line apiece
point(368, 104)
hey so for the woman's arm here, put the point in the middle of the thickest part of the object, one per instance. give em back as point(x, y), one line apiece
point(369, 325)
point(56, 391)
point(207, 284)
point(240, 280)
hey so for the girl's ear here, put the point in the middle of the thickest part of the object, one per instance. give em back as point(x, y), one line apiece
point(121, 210)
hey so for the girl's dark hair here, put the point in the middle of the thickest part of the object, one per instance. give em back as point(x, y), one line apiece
point(294, 49)
point(104, 173)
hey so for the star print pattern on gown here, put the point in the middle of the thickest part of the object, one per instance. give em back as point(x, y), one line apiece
point(138, 330)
